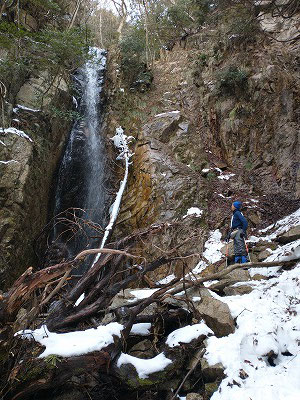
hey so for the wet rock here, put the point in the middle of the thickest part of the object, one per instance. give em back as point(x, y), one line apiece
point(289, 236)
point(237, 290)
point(215, 313)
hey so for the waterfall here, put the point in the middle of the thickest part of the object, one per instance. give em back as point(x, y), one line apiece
point(82, 175)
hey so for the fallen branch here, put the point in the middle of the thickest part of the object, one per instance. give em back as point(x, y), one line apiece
point(226, 271)
point(86, 253)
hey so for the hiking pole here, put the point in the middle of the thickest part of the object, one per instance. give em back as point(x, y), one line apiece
point(247, 249)
point(226, 253)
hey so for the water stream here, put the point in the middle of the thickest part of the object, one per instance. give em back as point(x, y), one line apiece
point(81, 194)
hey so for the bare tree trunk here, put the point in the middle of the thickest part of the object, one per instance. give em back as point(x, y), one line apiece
point(75, 14)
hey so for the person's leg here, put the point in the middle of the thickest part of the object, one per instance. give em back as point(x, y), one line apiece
point(237, 259)
point(244, 259)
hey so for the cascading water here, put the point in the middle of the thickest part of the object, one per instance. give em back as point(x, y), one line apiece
point(82, 174)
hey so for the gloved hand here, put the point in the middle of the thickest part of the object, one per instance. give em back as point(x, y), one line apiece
point(228, 236)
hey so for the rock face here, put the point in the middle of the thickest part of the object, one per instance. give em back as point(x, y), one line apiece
point(215, 313)
point(32, 93)
point(25, 185)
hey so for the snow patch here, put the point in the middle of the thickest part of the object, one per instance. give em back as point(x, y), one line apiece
point(20, 107)
point(187, 334)
point(73, 343)
point(145, 367)
point(166, 280)
point(142, 329)
point(165, 114)
point(15, 132)
point(193, 211)
point(143, 293)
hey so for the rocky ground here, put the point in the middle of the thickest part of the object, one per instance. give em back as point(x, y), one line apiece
point(208, 335)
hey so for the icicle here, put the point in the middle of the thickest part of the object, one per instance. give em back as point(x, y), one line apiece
point(121, 142)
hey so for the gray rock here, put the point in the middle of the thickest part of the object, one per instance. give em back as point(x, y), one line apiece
point(237, 290)
point(216, 314)
point(27, 20)
point(290, 235)
point(263, 255)
point(121, 299)
point(164, 126)
point(194, 396)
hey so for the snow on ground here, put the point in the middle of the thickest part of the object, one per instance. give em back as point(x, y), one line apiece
point(212, 251)
point(145, 367)
point(166, 280)
point(187, 334)
point(283, 225)
point(226, 177)
point(9, 162)
point(193, 211)
point(286, 252)
point(267, 320)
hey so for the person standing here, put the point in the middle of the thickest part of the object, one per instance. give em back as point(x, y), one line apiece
point(238, 233)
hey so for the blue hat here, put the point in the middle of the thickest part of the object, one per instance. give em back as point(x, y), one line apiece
point(237, 205)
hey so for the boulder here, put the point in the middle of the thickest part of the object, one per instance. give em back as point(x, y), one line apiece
point(211, 373)
point(121, 299)
point(238, 275)
point(254, 217)
point(215, 313)
point(194, 396)
point(210, 389)
point(263, 245)
point(259, 277)
point(143, 349)
point(289, 236)
point(230, 249)
point(237, 290)
point(264, 254)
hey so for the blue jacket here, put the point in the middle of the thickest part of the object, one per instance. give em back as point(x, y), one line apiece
point(238, 221)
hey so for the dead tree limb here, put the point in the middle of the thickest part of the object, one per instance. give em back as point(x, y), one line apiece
point(86, 253)
point(226, 271)
point(28, 282)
